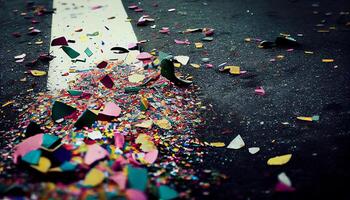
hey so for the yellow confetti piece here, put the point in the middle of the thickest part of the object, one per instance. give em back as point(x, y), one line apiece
point(308, 52)
point(77, 159)
point(38, 42)
point(195, 65)
point(177, 65)
point(83, 38)
point(198, 45)
point(309, 119)
point(148, 146)
point(189, 30)
point(217, 144)
point(43, 165)
point(233, 69)
point(8, 103)
point(156, 62)
point(142, 138)
point(146, 143)
point(163, 123)
point(37, 73)
point(279, 160)
point(247, 39)
point(135, 78)
point(94, 177)
point(56, 169)
point(280, 57)
point(326, 60)
point(145, 124)
point(144, 103)
point(96, 112)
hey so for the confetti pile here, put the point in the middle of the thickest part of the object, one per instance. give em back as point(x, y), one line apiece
point(112, 141)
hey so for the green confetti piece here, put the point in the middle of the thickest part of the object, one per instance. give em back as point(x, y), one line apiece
point(93, 34)
point(86, 119)
point(70, 52)
point(162, 56)
point(60, 110)
point(132, 89)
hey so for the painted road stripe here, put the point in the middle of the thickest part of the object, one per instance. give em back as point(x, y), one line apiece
point(91, 16)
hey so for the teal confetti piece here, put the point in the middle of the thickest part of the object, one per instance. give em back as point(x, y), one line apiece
point(88, 52)
point(32, 157)
point(75, 92)
point(315, 118)
point(167, 193)
point(68, 166)
point(49, 140)
point(137, 178)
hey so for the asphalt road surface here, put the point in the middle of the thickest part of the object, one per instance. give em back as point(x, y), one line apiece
point(299, 84)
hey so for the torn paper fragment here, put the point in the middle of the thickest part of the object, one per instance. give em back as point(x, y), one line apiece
point(236, 143)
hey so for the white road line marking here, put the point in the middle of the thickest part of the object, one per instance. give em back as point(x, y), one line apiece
point(73, 15)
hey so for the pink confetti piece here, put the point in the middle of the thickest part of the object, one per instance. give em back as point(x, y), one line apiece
point(138, 10)
point(132, 46)
point(95, 152)
point(281, 187)
point(182, 41)
point(132, 194)
point(260, 91)
point(119, 140)
point(96, 7)
point(120, 179)
point(29, 144)
point(144, 56)
point(151, 156)
point(209, 65)
point(132, 7)
point(164, 30)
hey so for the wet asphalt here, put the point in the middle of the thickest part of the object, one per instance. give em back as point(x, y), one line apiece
point(16, 84)
point(298, 85)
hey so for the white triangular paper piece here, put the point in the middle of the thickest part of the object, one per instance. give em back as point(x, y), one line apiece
point(95, 135)
point(283, 178)
point(236, 143)
point(182, 59)
point(253, 150)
